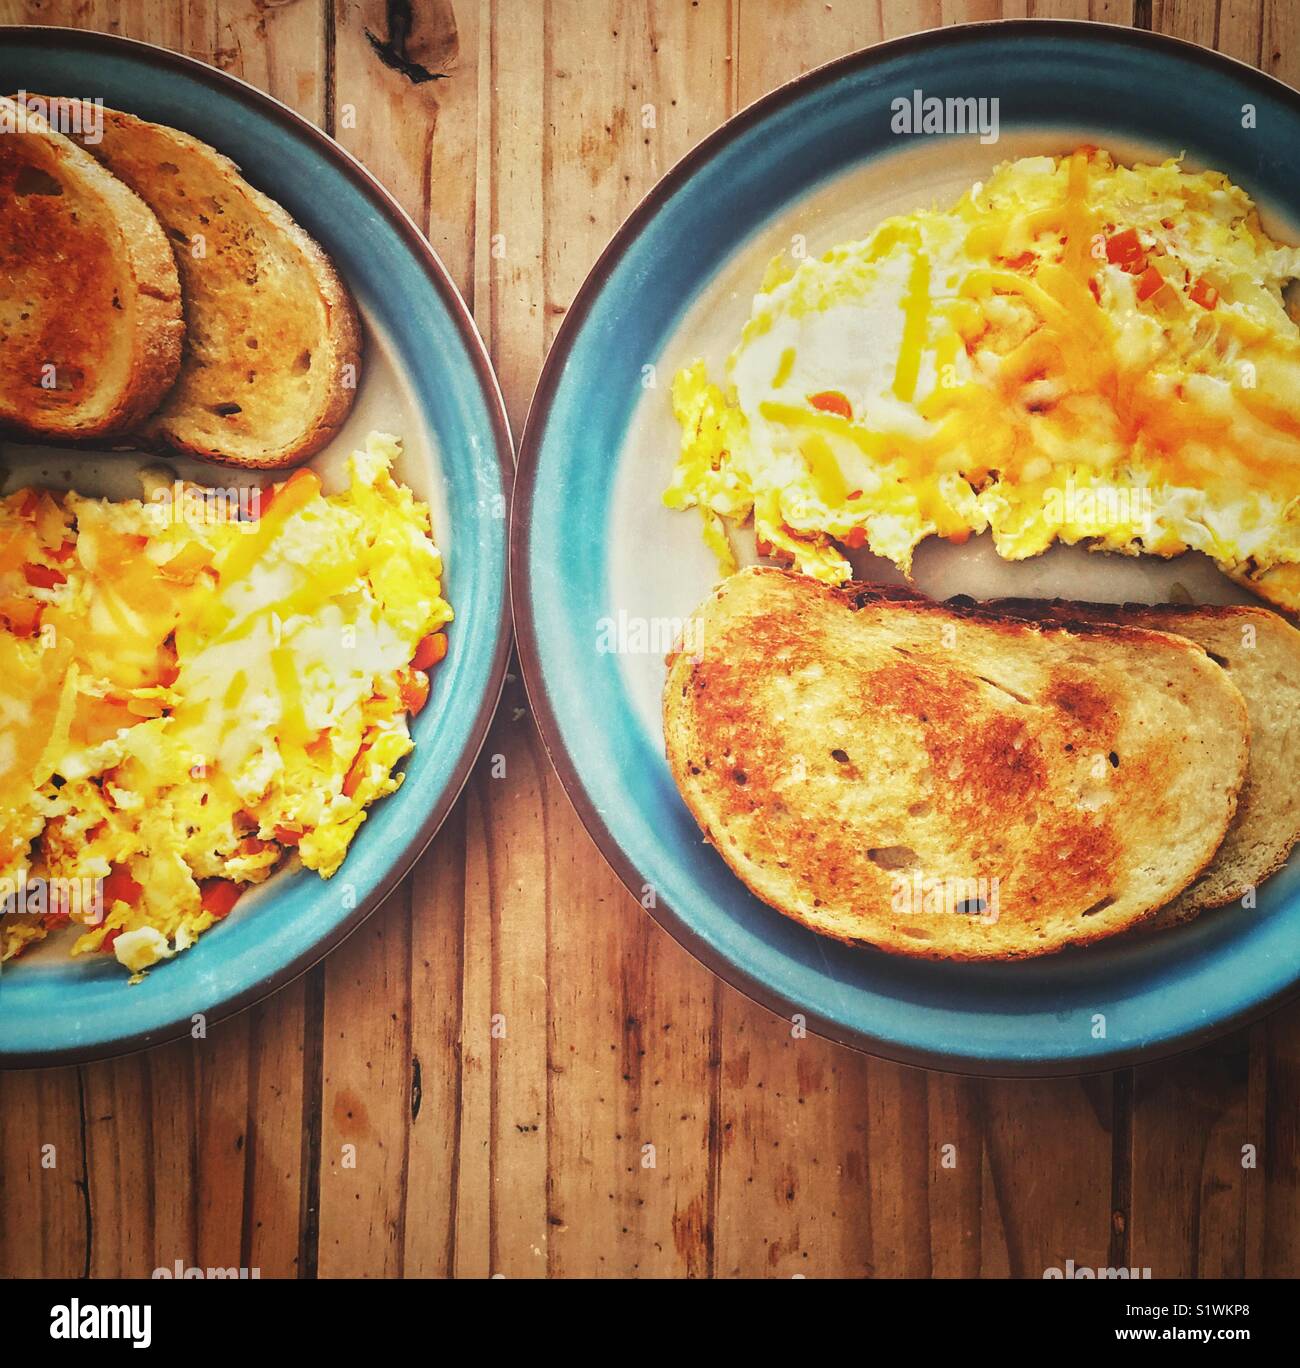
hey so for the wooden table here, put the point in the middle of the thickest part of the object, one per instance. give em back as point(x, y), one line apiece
point(526, 1153)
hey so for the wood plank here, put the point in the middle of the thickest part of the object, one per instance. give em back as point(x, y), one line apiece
point(1279, 1158)
point(509, 244)
point(404, 100)
point(1191, 1118)
point(628, 89)
point(45, 1218)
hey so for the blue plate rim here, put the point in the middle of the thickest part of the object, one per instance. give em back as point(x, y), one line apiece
point(503, 446)
point(521, 582)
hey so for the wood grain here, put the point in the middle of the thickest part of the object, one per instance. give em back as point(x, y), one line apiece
point(510, 1069)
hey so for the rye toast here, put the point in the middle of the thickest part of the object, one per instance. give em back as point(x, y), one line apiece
point(858, 759)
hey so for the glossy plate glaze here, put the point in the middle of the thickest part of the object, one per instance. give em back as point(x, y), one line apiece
point(600, 570)
point(426, 378)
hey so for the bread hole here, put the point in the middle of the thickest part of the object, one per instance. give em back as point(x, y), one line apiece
point(1114, 760)
point(251, 342)
point(921, 809)
point(303, 364)
point(916, 932)
point(31, 180)
point(225, 410)
point(1100, 906)
point(740, 776)
point(169, 168)
point(893, 857)
point(840, 757)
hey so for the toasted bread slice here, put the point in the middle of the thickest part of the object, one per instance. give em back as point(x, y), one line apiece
point(90, 303)
point(944, 783)
point(1261, 654)
point(272, 352)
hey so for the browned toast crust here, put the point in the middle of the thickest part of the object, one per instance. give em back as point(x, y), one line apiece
point(90, 309)
point(273, 348)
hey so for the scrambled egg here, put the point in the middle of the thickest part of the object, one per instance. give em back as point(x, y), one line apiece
point(1076, 351)
point(188, 693)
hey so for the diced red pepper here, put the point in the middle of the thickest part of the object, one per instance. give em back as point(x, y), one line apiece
point(855, 538)
point(287, 836)
point(22, 616)
point(65, 551)
point(218, 896)
point(106, 945)
point(119, 886)
point(1125, 251)
point(1150, 282)
point(1204, 294)
point(430, 651)
point(1019, 263)
point(832, 401)
point(43, 576)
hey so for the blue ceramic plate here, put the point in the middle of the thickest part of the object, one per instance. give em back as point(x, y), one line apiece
point(600, 571)
point(425, 377)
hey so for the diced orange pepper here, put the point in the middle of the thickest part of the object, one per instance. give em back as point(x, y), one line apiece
point(430, 651)
point(832, 401)
point(302, 486)
point(1204, 294)
point(414, 691)
point(352, 779)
